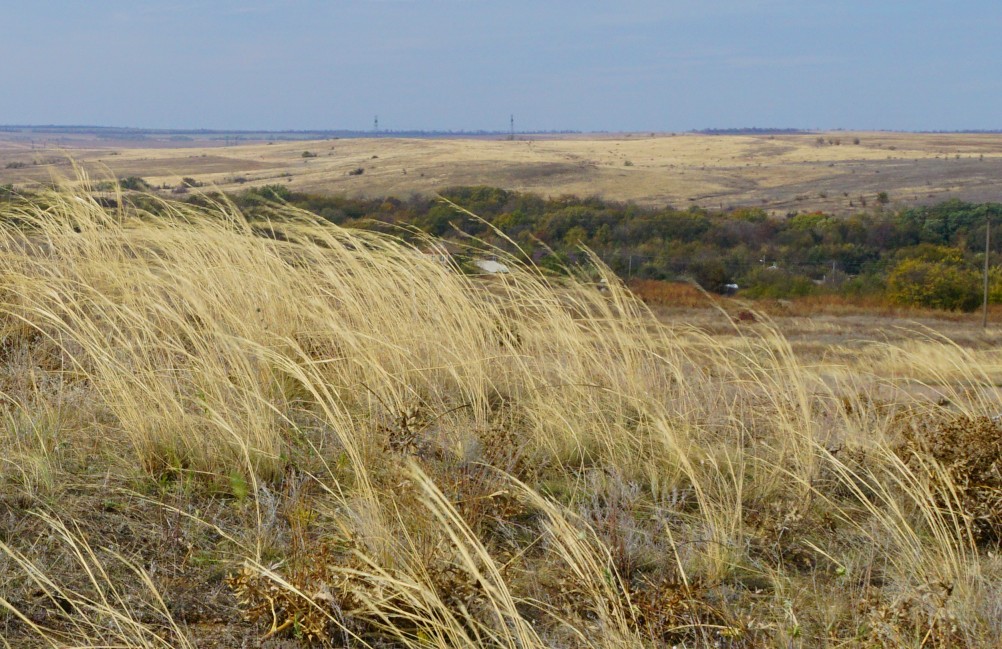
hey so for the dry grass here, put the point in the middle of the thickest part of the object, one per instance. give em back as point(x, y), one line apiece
point(328, 438)
point(779, 173)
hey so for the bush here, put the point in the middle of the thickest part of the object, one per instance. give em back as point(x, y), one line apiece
point(937, 285)
point(775, 283)
point(710, 274)
point(970, 451)
point(661, 293)
point(278, 193)
point(134, 183)
point(995, 285)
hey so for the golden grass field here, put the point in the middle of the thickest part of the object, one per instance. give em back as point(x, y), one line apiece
point(214, 438)
point(780, 173)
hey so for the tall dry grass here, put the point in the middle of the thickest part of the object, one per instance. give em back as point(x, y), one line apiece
point(437, 459)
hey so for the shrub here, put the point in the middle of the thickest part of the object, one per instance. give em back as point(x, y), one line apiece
point(710, 274)
point(938, 285)
point(662, 293)
point(775, 283)
point(273, 192)
point(969, 450)
point(995, 285)
point(134, 183)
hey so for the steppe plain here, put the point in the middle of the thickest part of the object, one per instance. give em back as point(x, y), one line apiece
point(831, 171)
point(213, 438)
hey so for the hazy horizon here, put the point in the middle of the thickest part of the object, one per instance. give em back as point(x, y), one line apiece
point(467, 65)
point(710, 130)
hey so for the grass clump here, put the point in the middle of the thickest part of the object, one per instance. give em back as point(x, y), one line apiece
point(289, 431)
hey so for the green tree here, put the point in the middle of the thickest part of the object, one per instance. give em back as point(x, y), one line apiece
point(932, 253)
point(439, 220)
point(939, 285)
point(710, 274)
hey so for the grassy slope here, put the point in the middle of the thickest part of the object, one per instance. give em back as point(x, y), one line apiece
point(212, 436)
point(778, 173)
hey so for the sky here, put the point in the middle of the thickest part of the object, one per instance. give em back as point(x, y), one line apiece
point(588, 65)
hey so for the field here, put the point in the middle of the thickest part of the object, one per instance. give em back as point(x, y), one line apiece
point(781, 173)
point(216, 434)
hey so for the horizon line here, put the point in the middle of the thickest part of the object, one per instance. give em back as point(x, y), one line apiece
point(9, 128)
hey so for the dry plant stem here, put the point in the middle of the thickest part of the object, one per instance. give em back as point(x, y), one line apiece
point(408, 454)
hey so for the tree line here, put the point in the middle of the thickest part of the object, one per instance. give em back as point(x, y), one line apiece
point(924, 256)
point(929, 256)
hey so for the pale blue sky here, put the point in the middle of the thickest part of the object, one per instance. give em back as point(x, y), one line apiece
point(636, 65)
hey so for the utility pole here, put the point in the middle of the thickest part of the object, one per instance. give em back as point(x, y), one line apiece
point(984, 312)
point(375, 124)
point(511, 133)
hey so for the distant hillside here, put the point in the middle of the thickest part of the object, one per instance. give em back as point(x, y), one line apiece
point(134, 134)
point(752, 131)
point(836, 172)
